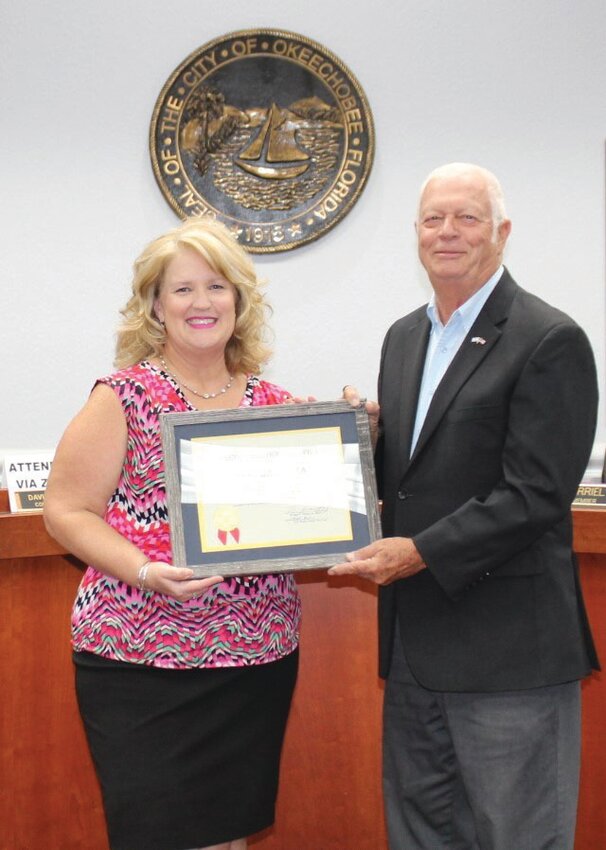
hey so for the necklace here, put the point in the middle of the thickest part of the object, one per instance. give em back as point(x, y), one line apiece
point(191, 389)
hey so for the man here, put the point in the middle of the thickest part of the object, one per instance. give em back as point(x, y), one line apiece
point(488, 403)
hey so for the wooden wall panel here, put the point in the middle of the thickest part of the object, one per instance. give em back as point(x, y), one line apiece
point(49, 799)
point(591, 828)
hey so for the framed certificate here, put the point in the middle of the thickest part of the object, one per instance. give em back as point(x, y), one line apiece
point(269, 489)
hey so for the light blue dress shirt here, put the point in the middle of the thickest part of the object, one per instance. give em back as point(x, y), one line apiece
point(444, 342)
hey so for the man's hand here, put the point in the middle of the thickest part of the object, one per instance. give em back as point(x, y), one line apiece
point(299, 399)
point(382, 562)
point(352, 395)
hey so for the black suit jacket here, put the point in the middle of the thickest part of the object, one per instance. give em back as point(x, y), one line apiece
point(486, 498)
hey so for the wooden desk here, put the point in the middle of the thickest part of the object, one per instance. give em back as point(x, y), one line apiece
point(590, 545)
point(330, 790)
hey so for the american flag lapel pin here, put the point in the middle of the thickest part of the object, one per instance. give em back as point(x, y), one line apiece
point(478, 340)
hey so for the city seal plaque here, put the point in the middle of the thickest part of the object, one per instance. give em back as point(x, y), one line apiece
point(267, 131)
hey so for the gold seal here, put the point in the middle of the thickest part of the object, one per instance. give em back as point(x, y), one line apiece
point(267, 131)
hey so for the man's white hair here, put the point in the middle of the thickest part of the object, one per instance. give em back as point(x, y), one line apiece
point(459, 169)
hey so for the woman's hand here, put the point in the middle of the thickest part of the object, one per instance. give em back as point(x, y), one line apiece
point(176, 581)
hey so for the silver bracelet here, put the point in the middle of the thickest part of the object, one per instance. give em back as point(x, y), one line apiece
point(142, 575)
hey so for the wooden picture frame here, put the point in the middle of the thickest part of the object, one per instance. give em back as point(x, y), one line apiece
point(280, 488)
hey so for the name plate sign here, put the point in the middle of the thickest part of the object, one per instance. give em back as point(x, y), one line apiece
point(590, 495)
point(26, 476)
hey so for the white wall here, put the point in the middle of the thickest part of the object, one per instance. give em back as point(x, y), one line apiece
point(517, 86)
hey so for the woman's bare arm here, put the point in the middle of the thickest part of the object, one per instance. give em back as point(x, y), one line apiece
point(85, 473)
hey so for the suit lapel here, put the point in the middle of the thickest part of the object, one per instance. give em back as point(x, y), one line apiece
point(486, 330)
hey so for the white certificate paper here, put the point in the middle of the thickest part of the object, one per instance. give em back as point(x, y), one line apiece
point(272, 489)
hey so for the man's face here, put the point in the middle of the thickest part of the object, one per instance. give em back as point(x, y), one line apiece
point(455, 232)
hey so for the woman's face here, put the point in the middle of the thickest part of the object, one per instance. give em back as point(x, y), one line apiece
point(196, 304)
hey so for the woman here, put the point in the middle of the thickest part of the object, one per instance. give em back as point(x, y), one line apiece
point(184, 685)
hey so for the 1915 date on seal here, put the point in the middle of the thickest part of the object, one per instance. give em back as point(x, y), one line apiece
point(267, 131)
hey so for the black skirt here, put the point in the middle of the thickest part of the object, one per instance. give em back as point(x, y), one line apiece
point(185, 758)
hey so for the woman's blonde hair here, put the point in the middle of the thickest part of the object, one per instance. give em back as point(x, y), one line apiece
point(142, 335)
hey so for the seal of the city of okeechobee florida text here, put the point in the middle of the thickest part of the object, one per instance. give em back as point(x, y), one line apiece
point(266, 131)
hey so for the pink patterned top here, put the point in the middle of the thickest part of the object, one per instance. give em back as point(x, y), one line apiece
point(242, 621)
